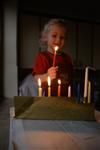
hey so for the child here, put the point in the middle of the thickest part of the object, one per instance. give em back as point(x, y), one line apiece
point(54, 34)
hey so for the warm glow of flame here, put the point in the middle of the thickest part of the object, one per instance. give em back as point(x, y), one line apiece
point(39, 82)
point(59, 81)
point(49, 81)
point(56, 48)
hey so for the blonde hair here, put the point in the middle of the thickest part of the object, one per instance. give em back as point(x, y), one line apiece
point(47, 27)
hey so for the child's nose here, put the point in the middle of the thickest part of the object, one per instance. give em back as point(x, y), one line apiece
point(58, 40)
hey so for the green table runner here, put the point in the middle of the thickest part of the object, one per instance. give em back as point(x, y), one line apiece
point(52, 108)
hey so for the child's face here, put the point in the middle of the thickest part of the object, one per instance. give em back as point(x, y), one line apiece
point(56, 36)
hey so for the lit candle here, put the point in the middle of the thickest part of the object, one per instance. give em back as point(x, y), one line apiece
point(49, 86)
point(69, 91)
point(39, 89)
point(59, 87)
point(54, 59)
point(89, 92)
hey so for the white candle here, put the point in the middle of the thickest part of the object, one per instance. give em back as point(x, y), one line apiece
point(89, 92)
point(49, 86)
point(54, 58)
point(39, 89)
point(69, 91)
point(86, 83)
point(86, 80)
point(59, 87)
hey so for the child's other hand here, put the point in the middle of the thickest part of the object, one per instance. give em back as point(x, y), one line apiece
point(52, 72)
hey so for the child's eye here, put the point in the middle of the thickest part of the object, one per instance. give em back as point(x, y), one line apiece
point(62, 37)
point(54, 36)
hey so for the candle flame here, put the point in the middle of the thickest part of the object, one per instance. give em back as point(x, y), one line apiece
point(39, 82)
point(59, 81)
point(56, 48)
point(49, 81)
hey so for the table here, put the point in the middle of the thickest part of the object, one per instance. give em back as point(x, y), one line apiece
point(53, 134)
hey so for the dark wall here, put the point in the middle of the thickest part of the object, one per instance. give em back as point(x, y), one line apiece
point(85, 11)
point(1, 49)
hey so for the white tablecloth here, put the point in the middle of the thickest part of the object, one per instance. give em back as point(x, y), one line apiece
point(54, 135)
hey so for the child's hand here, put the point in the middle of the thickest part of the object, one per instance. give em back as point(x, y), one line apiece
point(52, 72)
